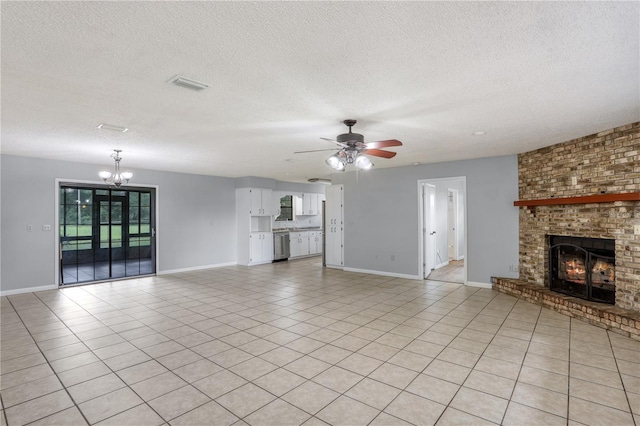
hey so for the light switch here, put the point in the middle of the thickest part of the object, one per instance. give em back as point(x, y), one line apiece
point(636, 229)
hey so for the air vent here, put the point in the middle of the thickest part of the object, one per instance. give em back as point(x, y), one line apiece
point(104, 126)
point(187, 83)
point(319, 180)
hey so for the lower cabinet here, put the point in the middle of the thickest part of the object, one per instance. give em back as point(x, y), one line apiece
point(305, 243)
point(299, 243)
point(261, 247)
point(315, 242)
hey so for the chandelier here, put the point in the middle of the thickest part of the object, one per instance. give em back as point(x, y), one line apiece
point(339, 160)
point(117, 178)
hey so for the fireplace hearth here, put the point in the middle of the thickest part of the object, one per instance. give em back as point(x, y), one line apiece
point(583, 267)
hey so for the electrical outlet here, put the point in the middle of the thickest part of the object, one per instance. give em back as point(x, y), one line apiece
point(393, 257)
point(46, 227)
point(636, 229)
point(29, 228)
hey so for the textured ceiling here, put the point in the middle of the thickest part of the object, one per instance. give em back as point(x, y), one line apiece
point(283, 74)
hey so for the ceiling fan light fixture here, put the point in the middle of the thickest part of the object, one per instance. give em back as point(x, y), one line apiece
point(363, 163)
point(335, 162)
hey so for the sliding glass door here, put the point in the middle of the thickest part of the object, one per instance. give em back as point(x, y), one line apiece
point(105, 233)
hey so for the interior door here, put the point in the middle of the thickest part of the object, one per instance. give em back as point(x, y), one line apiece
point(452, 223)
point(429, 230)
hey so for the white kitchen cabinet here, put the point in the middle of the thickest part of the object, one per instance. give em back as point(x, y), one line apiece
point(298, 205)
point(261, 247)
point(299, 244)
point(315, 242)
point(261, 202)
point(310, 204)
point(334, 229)
point(254, 237)
point(275, 202)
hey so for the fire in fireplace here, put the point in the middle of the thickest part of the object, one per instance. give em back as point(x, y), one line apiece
point(583, 267)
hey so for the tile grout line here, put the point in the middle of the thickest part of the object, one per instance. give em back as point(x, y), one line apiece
point(522, 364)
point(55, 373)
point(101, 361)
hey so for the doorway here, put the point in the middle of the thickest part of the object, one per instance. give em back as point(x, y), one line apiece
point(105, 233)
point(443, 230)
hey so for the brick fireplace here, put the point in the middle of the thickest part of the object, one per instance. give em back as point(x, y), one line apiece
point(583, 188)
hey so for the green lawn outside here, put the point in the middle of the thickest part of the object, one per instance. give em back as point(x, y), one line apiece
point(116, 236)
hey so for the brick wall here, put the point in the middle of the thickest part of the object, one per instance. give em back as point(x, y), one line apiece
point(606, 162)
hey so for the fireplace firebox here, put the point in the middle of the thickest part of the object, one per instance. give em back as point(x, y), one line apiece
point(583, 267)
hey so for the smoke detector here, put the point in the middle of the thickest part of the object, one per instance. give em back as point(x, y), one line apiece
point(188, 83)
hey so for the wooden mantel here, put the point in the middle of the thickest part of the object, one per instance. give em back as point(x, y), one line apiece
point(586, 199)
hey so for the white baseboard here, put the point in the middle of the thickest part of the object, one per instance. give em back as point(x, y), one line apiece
point(195, 268)
point(27, 290)
point(383, 273)
point(335, 267)
point(460, 258)
point(477, 284)
point(441, 265)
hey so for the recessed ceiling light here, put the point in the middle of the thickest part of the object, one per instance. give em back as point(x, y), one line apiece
point(416, 163)
point(188, 83)
point(479, 133)
point(105, 126)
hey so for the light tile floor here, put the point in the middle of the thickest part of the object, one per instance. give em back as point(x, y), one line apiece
point(453, 272)
point(292, 343)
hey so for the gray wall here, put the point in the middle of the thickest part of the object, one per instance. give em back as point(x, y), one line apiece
point(382, 216)
point(197, 219)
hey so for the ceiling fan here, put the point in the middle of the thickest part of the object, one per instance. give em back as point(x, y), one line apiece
point(352, 150)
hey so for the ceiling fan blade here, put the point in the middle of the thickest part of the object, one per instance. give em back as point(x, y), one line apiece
point(383, 144)
point(378, 153)
point(344, 145)
point(315, 150)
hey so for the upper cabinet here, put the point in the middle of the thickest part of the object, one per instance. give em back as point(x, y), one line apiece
point(310, 204)
point(275, 203)
point(261, 202)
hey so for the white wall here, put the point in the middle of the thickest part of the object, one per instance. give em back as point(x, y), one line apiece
point(382, 216)
point(196, 218)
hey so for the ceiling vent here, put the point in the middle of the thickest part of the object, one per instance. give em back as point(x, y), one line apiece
point(187, 83)
point(320, 180)
point(105, 126)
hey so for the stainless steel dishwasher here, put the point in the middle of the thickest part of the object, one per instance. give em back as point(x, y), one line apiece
point(281, 247)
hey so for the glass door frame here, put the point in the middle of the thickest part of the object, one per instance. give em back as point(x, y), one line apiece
point(60, 182)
